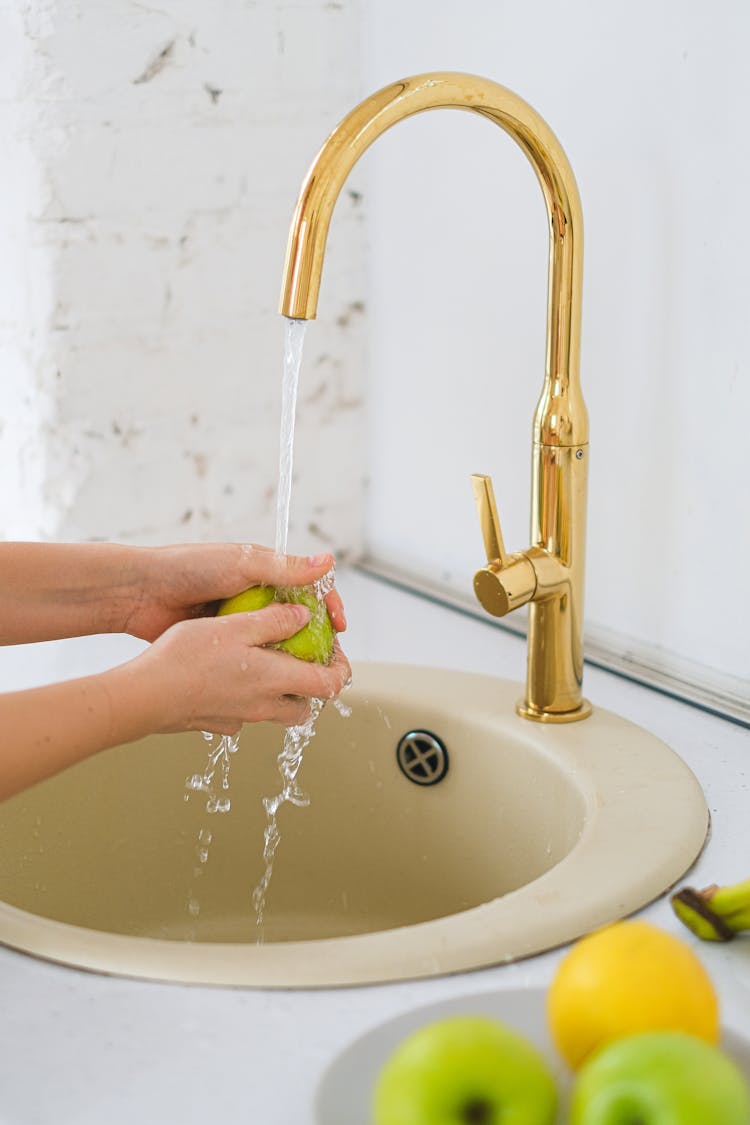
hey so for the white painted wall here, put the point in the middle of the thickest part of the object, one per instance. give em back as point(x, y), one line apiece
point(650, 102)
point(151, 156)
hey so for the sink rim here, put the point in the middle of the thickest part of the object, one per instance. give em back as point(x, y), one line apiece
point(558, 906)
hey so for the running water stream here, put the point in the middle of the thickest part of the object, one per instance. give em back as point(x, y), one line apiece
point(296, 738)
point(214, 781)
point(294, 338)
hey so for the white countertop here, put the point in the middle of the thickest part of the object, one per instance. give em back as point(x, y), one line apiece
point(94, 1050)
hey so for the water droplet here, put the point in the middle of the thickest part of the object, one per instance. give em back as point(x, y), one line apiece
point(325, 583)
point(296, 739)
point(217, 805)
point(196, 782)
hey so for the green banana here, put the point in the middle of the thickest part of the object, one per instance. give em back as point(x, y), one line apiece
point(716, 913)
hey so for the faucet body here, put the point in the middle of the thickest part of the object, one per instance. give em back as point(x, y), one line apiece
point(548, 576)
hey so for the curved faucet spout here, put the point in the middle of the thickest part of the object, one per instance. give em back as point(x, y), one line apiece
point(561, 417)
point(549, 576)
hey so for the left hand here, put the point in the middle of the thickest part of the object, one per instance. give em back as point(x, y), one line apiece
point(178, 583)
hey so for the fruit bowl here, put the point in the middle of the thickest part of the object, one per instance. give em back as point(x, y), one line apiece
point(344, 1093)
point(443, 833)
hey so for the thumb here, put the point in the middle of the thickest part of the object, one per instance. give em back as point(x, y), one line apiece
point(275, 623)
point(270, 569)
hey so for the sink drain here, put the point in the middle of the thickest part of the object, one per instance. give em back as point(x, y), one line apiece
point(422, 757)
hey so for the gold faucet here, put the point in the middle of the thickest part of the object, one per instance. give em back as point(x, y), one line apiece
point(549, 576)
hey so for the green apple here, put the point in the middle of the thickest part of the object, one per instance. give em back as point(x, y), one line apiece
point(314, 641)
point(465, 1070)
point(257, 597)
point(660, 1078)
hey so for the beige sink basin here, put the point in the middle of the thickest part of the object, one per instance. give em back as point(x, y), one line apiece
point(535, 835)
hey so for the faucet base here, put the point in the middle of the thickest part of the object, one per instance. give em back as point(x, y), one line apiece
point(526, 712)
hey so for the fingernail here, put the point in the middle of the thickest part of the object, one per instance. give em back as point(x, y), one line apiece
point(318, 560)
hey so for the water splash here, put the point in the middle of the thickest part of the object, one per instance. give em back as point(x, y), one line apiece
point(289, 761)
point(219, 762)
point(214, 782)
point(201, 853)
point(294, 336)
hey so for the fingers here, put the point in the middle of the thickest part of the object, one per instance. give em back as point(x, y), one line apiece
point(277, 622)
point(256, 565)
point(263, 566)
point(313, 681)
point(335, 608)
point(232, 674)
point(291, 711)
point(318, 682)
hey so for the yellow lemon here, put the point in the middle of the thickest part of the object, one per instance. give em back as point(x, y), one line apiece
point(627, 978)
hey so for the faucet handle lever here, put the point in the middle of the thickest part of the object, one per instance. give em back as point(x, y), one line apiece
point(484, 498)
point(508, 581)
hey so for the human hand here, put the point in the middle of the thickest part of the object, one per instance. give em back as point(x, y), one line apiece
point(173, 584)
point(214, 673)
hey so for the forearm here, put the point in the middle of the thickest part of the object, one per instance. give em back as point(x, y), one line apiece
point(47, 729)
point(54, 590)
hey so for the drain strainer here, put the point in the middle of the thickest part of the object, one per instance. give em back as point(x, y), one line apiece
point(422, 757)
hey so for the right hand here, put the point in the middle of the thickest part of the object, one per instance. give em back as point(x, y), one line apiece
point(214, 673)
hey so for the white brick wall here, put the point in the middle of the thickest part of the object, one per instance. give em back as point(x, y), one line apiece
point(152, 159)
